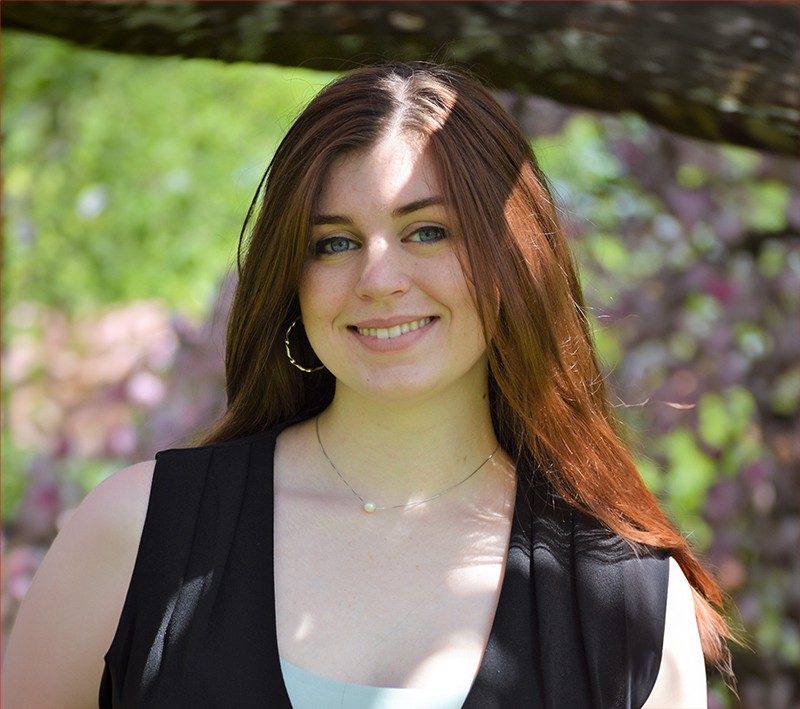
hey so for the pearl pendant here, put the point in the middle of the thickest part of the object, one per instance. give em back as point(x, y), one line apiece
point(369, 507)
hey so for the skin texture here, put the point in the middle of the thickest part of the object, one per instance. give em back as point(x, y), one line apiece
point(389, 266)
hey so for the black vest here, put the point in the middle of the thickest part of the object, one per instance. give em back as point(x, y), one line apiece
point(579, 621)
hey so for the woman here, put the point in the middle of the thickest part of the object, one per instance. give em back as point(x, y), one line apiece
point(417, 496)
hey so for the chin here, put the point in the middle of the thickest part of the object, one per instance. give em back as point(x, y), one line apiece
point(400, 394)
point(397, 392)
point(394, 386)
point(413, 388)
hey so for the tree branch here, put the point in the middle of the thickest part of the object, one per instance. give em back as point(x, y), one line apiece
point(723, 72)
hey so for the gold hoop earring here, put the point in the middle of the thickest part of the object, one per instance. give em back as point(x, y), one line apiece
point(289, 351)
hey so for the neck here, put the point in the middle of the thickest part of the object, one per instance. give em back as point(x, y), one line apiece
point(397, 454)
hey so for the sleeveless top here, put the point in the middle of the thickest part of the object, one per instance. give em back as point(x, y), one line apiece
point(579, 620)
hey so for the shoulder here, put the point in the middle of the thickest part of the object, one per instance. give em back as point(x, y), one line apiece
point(681, 681)
point(264, 439)
point(77, 596)
point(110, 519)
point(119, 503)
point(181, 474)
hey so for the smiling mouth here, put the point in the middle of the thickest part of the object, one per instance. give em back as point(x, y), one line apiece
point(387, 333)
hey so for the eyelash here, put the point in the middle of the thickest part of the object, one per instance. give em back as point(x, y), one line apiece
point(442, 233)
point(320, 247)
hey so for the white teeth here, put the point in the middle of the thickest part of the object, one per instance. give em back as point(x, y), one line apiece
point(385, 333)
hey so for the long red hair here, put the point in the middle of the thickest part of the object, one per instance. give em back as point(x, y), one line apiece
point(549, 402)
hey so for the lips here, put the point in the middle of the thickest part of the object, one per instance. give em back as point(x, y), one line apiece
point(390, 329)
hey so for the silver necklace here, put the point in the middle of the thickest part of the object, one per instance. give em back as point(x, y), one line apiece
point(370, 506)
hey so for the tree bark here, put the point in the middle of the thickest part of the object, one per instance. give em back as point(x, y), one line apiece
point(724, 72)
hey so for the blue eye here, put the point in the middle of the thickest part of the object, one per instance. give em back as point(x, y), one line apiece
point(333, 245)
point(429, 234)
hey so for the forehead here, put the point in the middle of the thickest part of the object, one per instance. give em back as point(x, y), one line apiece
point(394, 171)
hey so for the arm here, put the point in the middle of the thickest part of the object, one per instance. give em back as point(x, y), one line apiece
point(69, 616)
point(681, 680)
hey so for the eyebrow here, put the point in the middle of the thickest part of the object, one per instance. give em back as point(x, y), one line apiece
point(414, 206)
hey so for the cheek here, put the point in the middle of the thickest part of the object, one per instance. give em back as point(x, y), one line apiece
point(304, 296)
point(321, 294)
point(309, 296)
point(462, 289)
point(464, 285)
point(470, 320)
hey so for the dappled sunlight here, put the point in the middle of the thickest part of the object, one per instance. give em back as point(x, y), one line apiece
point(690, 265)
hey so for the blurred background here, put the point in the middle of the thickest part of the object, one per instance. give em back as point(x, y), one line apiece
point(126, 179)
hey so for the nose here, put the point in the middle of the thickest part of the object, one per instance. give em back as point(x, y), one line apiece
point(384, 270)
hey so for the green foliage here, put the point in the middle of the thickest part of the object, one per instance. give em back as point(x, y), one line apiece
point(691, 176)
point(765, 207)
point(587, 176)
point(609, 251)
point(723, 418)
point(651, 474)
point(121, 170)
point(15, 481)
point(87, 473)
point(607, 345)
point(714, 426)
point(702, 312)
point(785, 398)
point(772, 259)
point(727, 424)
point(689, 474)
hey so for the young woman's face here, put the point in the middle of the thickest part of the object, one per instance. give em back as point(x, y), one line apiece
point(385, 303)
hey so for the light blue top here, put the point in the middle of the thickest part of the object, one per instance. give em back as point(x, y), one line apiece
point(310, 691)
